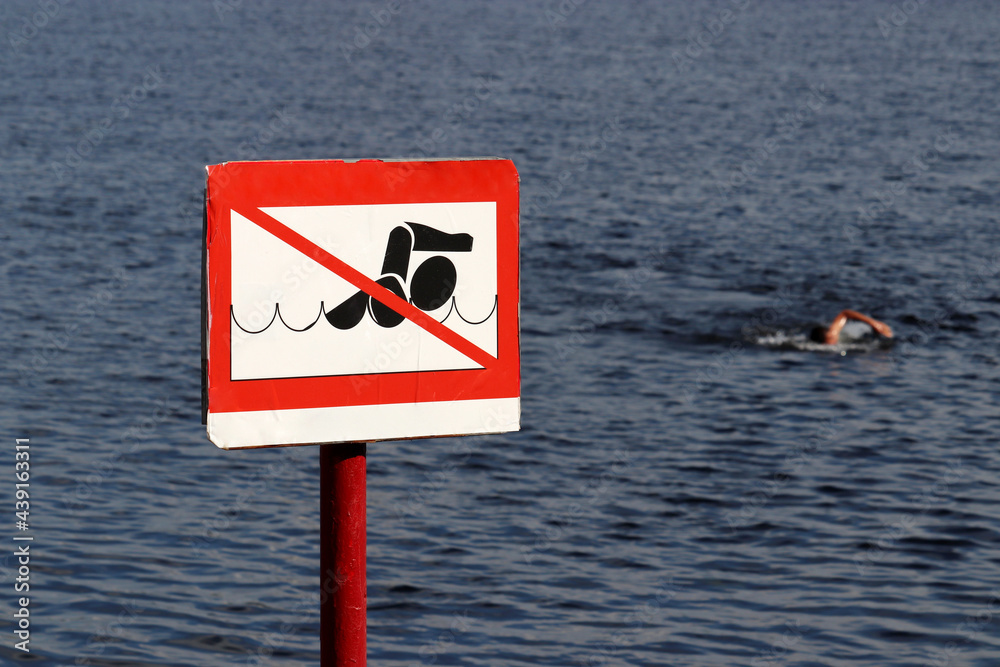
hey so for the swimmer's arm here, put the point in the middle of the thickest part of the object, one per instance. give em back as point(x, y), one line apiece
point(833, 333)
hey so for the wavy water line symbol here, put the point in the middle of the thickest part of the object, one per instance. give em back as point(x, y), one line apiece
point(322, 313)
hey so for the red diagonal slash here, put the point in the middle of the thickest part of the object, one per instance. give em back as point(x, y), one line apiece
point(369, 287)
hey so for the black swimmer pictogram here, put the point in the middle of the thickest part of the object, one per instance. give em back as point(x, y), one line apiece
point(428, 288)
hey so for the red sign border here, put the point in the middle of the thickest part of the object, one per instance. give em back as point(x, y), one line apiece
point(252, 185)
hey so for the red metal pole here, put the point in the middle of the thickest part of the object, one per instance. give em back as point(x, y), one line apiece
point(343, 624)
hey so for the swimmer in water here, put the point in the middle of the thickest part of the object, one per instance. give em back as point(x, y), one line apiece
point(831, 335)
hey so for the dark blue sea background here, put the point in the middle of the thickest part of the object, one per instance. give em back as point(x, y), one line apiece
point(700, 182)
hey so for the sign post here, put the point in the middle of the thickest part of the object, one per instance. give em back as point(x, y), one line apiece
point(344, 596)
point(350, 302)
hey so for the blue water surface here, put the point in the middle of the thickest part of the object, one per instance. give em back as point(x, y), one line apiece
point(697, 179)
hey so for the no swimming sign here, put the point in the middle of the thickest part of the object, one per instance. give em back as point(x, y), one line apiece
point(359, 301)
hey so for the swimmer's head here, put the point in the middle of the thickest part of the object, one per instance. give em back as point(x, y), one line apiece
point(818, 335)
